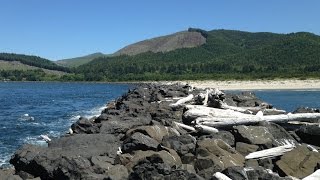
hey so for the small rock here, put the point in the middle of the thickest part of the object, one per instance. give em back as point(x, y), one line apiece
point(236, 173)
point(259, 173)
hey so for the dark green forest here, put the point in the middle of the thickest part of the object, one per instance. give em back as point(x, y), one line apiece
point(227, 54)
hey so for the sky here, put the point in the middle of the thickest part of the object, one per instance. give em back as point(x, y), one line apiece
point(59, 29)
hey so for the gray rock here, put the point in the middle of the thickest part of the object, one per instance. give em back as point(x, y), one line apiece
point(8, 174)
point(225, 136)
point(235, 173)
point(169, 157)
point(259, 173)
point(300, 162)
point(83, 125)
point(156, 132)
point(245, 149)
point(154, 167)
point(266, 163)
point(309, 134)
point(188, 158)
point(280, 135)
point(117, 172)
point(306, 110)
point(221, 150)
point(258, 135)
point(119, 125)
point(181, 144)
point(66, 157)
point(139, 141)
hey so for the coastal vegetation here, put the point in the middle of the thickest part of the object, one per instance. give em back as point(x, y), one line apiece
point(226, 54)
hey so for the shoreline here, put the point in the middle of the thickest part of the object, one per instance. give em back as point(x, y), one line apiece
point(278, 84)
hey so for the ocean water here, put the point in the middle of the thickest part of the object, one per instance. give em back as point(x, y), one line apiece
point(290, 100)
point(31, 109)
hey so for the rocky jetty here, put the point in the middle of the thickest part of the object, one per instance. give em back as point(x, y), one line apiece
point(176, 132)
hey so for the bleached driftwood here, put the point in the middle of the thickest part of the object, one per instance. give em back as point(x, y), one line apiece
point(272, 152)
point(219, 117)
point(251, 110)
point(216, 98)
point(198, 128)
point(185, 126)
point(220, 176)
point(206, 129)
point(182, 101)
point(313, 176)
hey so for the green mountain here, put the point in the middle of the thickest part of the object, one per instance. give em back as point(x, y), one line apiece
point(226, 54)
point(31, 68)
point(184, 39)
point(75, 62)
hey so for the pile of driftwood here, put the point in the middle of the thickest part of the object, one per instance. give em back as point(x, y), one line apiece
point(207, 113)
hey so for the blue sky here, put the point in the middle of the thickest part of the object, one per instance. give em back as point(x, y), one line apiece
point(69, 28)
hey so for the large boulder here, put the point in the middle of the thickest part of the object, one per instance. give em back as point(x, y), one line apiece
point(120, 125)
point(169, 157)
point(280, 135)
point(83, 125)
point(309, 134)
point(154, 168)
point(300, 162)
point(248, 99)
point(226, 155)
point(139, 141)
point(181, 144)
point(156, 132)
point(258, 135)
point(66, 157)
point(208, 165)
point(225, 136)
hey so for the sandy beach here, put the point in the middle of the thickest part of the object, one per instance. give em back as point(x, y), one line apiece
point(292, 84)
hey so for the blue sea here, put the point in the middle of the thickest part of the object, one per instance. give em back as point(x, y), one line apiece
point(31, 109)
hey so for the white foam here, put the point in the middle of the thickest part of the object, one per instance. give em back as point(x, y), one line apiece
point(26, 117)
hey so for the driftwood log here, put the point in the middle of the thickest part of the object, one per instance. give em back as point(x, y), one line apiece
point(221, 118)
point(272, 152)
point(182, 101)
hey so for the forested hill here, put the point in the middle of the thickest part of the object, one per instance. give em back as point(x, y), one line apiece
point(32, 61)
point(19, 67)
point(227, 54)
